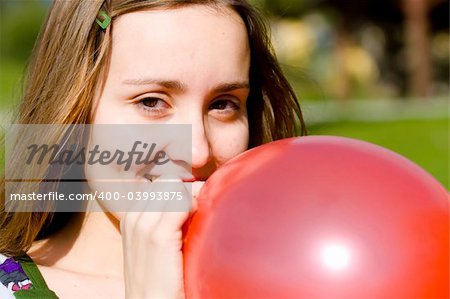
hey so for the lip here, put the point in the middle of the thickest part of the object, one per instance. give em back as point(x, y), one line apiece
point(193, 179)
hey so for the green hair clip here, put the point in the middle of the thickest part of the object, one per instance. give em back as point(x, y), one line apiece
point(106, 19)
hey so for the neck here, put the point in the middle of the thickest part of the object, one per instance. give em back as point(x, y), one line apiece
point(91, 241)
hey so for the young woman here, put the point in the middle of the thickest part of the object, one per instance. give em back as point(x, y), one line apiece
point(205, 63)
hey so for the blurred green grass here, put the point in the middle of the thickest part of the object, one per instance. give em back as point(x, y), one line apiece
point(10, 82)
point(425, 142)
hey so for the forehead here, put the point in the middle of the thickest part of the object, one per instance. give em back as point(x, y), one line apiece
point(191, 41)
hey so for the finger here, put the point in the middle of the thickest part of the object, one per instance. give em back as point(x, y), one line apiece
point(143, 223)
point(196, 189)
point(174, 213)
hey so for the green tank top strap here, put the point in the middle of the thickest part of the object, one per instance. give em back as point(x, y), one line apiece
point(40, 289)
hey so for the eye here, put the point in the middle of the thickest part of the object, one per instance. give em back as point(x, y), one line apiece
point(153, 105)
point(150, 102)
point(224, 106)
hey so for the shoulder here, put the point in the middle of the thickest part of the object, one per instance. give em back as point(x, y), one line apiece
point(12, 277)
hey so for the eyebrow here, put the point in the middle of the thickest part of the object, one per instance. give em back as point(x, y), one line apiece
point(177, 85)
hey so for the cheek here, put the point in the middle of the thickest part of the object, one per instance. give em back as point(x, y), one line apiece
point(108, 111)
point(230, 142)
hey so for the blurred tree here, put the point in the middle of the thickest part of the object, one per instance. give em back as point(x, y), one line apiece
point(406, 25)
point(288, 8)
point(417, 37)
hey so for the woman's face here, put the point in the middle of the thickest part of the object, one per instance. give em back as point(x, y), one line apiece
point(181, 66)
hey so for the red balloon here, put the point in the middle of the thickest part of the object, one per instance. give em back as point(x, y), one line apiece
point(319, 217)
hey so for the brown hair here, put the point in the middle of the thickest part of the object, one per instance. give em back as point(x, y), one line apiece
point(68, 64)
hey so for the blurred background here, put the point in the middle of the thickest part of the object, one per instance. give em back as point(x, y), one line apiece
point(376, 70)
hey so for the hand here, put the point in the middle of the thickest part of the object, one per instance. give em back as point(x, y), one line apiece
point(152, 242)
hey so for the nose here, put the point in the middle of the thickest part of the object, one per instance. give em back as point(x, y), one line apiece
point(189, 142)
point(201, 148)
